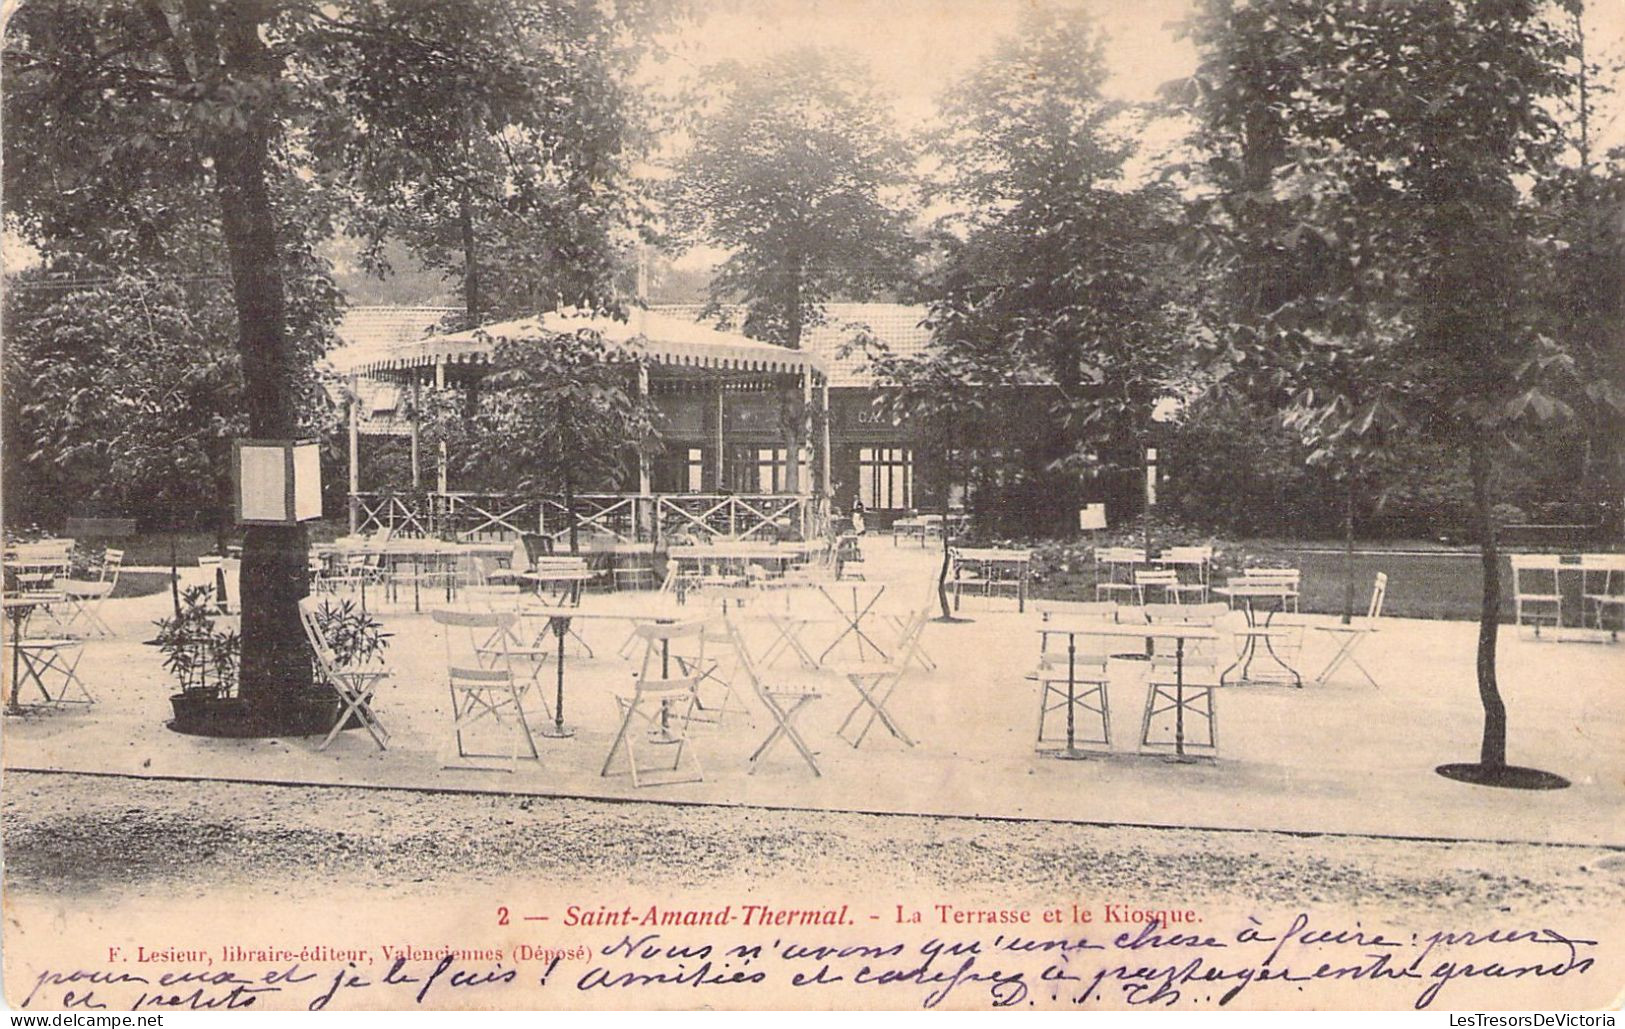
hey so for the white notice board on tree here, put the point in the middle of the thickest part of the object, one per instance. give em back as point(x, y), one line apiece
point(278, 482)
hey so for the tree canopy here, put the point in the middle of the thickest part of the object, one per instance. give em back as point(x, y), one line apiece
point(1054, 264)
point(244, 123)
point(556, 413)
point(798, 172)
point(1387, 181)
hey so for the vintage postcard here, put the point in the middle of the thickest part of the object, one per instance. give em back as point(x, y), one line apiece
point(813, 504)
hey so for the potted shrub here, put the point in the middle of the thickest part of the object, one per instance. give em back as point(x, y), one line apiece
point(352, 633)
point(356, 640)
point(202, 658)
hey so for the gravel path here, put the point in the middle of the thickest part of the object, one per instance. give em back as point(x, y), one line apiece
point(120, 839)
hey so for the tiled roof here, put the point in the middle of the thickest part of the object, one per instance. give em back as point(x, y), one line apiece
point(898, 325)
point(364, 331)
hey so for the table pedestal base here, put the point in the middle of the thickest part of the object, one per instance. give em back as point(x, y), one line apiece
point(556, 732)
point(1069, 754)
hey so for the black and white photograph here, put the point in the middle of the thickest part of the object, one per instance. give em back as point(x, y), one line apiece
point(902, 505)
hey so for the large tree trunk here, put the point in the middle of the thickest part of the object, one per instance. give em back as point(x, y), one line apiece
point(1493, 752)
point(274, 571)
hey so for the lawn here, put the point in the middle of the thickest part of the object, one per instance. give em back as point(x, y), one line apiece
point(1440, 583)
point(1419, 585)
point(1444, 584)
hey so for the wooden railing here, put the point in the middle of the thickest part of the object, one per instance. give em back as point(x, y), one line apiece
point(624, 517)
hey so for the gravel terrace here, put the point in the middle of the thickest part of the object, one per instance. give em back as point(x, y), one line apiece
point(115, 838)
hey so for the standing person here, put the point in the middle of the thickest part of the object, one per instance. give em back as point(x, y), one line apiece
point(857, 515)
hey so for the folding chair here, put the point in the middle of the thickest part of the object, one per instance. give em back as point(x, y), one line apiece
point(214, 569)
point(660, 703)
point(717, 664)
point(481, 688)
point(876, 683)
point(1199, 560)
point(1350, 636)
point(39, 571)
point(1165, 580)
point(636, 574)
point(512, 641)
point(1050, 610)
point(967, 574)
point(895, 618)
point(1286, 579)
point(1114, 571)
point(1183, 683)
point(1534, 585)
point(783, 703)
point(354, 686)
point(1610, 596)
point(357, 572)
point(1075, 682)
point(86, 595)
point(56, 659)
point(848, 551)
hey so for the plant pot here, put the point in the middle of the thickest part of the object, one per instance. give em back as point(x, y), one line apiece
point(204, 714)
point(196, 711)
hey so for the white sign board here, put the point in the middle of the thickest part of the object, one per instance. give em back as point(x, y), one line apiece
point(1092, 516)
point(279, 482)
point(307, 482)
point(263, 485)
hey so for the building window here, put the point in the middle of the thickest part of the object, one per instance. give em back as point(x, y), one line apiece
point(886, 478)
point(769, 469)
point(696, 470)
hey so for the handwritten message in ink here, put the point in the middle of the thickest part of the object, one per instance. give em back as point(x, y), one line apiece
point(996, 958)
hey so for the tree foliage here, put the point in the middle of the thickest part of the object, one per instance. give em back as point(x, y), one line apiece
point(560, 412)
point(798, 172)
point(125, 392)
point(127, 118)
point(1055, 264)
point(493, 137)
point(1367, 166)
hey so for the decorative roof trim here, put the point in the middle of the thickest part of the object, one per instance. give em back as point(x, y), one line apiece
point(660, 338)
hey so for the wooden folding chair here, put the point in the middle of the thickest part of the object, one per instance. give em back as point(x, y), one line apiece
point(217, 576)
point(1350, 636)
point(717, 664)
point(39, 571)
point(876, 684)
point(1191, 567)
point(1114, 571)
point(1074, 683)
point(783, 703)
point(355, 686)
point(1163, 580)
point(512, 642)
point(1607, 599)
point(1181, 698)
point(660, 708)
point(54, 661)
point(1535, 588)
point(86, 595)
point(481, 689)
